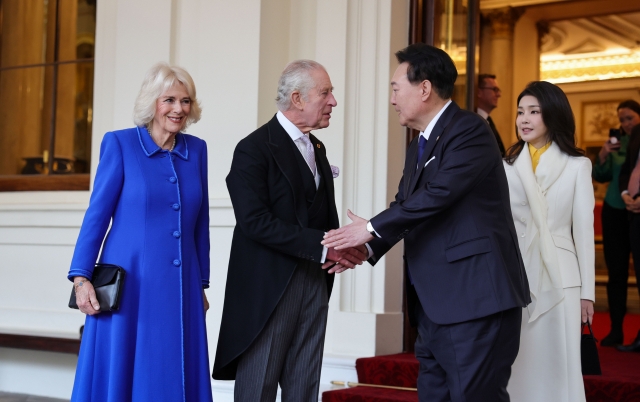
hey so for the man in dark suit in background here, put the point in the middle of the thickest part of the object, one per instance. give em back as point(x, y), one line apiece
point(487, 97)
point(277, 294)
point(467, 284)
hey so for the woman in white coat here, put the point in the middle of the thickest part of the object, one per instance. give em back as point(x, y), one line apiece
point(552, 205)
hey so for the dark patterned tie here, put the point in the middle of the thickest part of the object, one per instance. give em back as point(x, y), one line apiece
point(422, 143)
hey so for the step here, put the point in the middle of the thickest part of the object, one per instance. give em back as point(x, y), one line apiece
point(369, 394)
point(399, 370)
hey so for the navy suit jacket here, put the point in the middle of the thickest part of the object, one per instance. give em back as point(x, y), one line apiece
point(455, 218)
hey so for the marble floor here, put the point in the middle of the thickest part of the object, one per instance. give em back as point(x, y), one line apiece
point(7, 397)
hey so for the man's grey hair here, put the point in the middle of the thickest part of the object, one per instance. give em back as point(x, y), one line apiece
point(296, 76)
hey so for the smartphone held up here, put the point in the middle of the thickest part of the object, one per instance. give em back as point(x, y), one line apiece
point(614, 137)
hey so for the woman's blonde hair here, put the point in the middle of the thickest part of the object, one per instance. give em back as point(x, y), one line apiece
point(159, 79)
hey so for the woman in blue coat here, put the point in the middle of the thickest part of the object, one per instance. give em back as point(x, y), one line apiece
point(151, 186)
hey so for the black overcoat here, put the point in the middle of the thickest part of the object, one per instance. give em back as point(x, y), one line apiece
point(270, 238)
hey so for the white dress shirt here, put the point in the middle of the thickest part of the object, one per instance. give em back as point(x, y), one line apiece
point(483, 113)
point(426, 134)
point(295, 134)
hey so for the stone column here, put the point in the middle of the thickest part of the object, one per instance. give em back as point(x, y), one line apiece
point(502, 22)
point(368, 144)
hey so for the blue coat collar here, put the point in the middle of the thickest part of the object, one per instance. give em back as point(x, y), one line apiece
point(151, 148)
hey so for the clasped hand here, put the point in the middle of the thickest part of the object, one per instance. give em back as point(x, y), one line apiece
point(350, 239)
point(353, 235)
point(633, 205)
point(340, 260)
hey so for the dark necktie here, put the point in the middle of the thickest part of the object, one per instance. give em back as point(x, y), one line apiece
point(422, 143)
point(493, 126)
point(495, 133)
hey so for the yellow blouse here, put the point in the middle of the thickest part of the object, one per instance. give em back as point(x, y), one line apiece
point(536, 154)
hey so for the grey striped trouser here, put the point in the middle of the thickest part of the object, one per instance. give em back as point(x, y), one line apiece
point(288, 351)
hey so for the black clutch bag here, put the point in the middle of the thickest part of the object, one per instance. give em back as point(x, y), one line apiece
point(107, 281)
point(589, 353)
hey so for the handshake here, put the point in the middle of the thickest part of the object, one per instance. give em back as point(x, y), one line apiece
point(346, 245)
point(340, 260)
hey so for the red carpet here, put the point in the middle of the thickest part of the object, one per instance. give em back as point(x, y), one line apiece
point(620, 379)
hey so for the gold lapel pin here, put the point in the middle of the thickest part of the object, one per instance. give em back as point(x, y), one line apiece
point(318, 145)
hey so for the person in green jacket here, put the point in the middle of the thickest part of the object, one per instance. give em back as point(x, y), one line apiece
point(615, 222)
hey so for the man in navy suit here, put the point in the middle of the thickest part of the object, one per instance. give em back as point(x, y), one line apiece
point(466, 282)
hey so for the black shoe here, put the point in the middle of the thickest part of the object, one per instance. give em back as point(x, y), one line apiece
point(613, 339)
point(633, 347)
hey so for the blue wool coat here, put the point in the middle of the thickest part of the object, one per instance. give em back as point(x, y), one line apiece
point(155, 347)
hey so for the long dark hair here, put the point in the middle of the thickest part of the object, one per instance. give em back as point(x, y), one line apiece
point(631, 105)
point(556, 115)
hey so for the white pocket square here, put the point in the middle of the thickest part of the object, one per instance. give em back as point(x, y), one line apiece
point(432, 158)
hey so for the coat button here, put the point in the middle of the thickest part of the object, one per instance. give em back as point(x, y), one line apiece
point(172, 179)
point(522, 235)
point(524, 203)
point(176, 234)
point(523, 219)
point(176, 263)
point(175, 207)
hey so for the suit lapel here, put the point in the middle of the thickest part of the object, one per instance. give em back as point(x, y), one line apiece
point(282, 150)
point(323, 166)
point(434, 137)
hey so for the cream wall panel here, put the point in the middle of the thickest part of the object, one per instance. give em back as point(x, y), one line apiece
point(306, 18)
point(275, 33)
point(37, 373)
point(218, 43)
point(329, 18)
point(34, 291)
point(38, 236)
point(360, 145)
point(38, 218)
point(137, 47)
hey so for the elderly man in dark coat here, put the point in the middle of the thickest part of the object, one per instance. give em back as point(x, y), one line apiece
point(277, 294)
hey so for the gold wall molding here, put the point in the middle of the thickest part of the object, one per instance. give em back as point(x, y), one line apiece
point(603, 67)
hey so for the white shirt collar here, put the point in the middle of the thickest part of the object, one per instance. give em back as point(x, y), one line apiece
point(483, 113)
point(291, 129)
point(427, 131)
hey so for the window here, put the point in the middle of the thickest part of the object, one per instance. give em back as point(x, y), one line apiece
point(46, 93)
